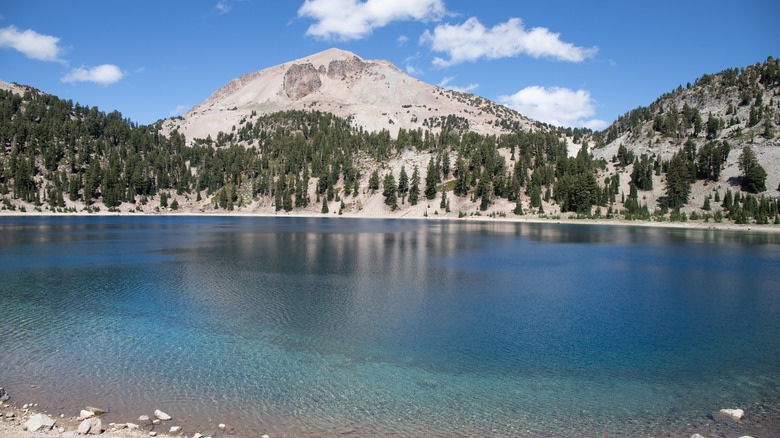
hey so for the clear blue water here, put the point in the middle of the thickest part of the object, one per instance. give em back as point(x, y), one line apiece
point(300, 325)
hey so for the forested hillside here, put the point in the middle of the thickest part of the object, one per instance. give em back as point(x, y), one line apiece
point(697, 153)
point(64, 157)
point(722, 129)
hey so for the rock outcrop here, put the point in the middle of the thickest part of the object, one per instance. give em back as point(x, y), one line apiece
point(341, 68)
point(301, 80)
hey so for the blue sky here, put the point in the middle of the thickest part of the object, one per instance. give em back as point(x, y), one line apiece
point(569, 63)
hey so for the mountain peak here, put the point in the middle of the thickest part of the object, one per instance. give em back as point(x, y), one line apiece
point(375, 94)
point(328, 55)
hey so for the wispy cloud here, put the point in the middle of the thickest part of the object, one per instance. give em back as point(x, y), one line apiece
point(105, 74)
point(556, 106)
point(32, 44)
point(445, 83)
point(354, 19)
point(402, 40)
point(471, 41)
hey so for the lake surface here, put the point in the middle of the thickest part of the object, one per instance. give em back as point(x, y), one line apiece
point(300, 325)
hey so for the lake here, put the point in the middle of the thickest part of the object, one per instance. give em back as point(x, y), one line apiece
point(297, 326)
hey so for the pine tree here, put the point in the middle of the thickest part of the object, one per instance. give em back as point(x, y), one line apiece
point(414, 191)
point(678, 185)
point(390, 191)
point(373, 181)
point(431, 178)
point(403, 183)
point(754, 175)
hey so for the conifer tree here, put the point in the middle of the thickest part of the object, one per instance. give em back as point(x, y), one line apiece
point(373, 181)
point(390, 191)
point(431, 178)
point(678, 185)
point(414, 190)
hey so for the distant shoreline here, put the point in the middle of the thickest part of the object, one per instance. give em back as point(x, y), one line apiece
point(530, 219)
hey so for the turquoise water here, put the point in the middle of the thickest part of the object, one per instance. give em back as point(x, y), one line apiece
point(300, 325)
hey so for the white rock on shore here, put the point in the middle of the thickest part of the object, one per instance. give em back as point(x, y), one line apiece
point(90, 426)
point(161, 415)
point(84, 414)
point(39, 421)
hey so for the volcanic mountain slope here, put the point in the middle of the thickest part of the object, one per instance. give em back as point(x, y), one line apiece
point(374, 95)
point(740, 106)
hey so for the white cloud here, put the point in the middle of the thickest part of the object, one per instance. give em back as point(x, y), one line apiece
point(411, 70)
point(595, 124)
point(179, 110)
point(33, 44)
point(356, 19)
point(402, 40)
point(105, 74)
point(556, 106)
point(223, 6)
point(445, 83)
point(471, 41)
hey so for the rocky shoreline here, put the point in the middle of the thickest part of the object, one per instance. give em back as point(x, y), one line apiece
point(27, 421)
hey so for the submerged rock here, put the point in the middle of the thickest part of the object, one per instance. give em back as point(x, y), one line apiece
point(734, 413)
point(39, 421)
point(161, 415)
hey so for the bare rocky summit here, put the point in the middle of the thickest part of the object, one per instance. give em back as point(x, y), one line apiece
point(374, 95)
